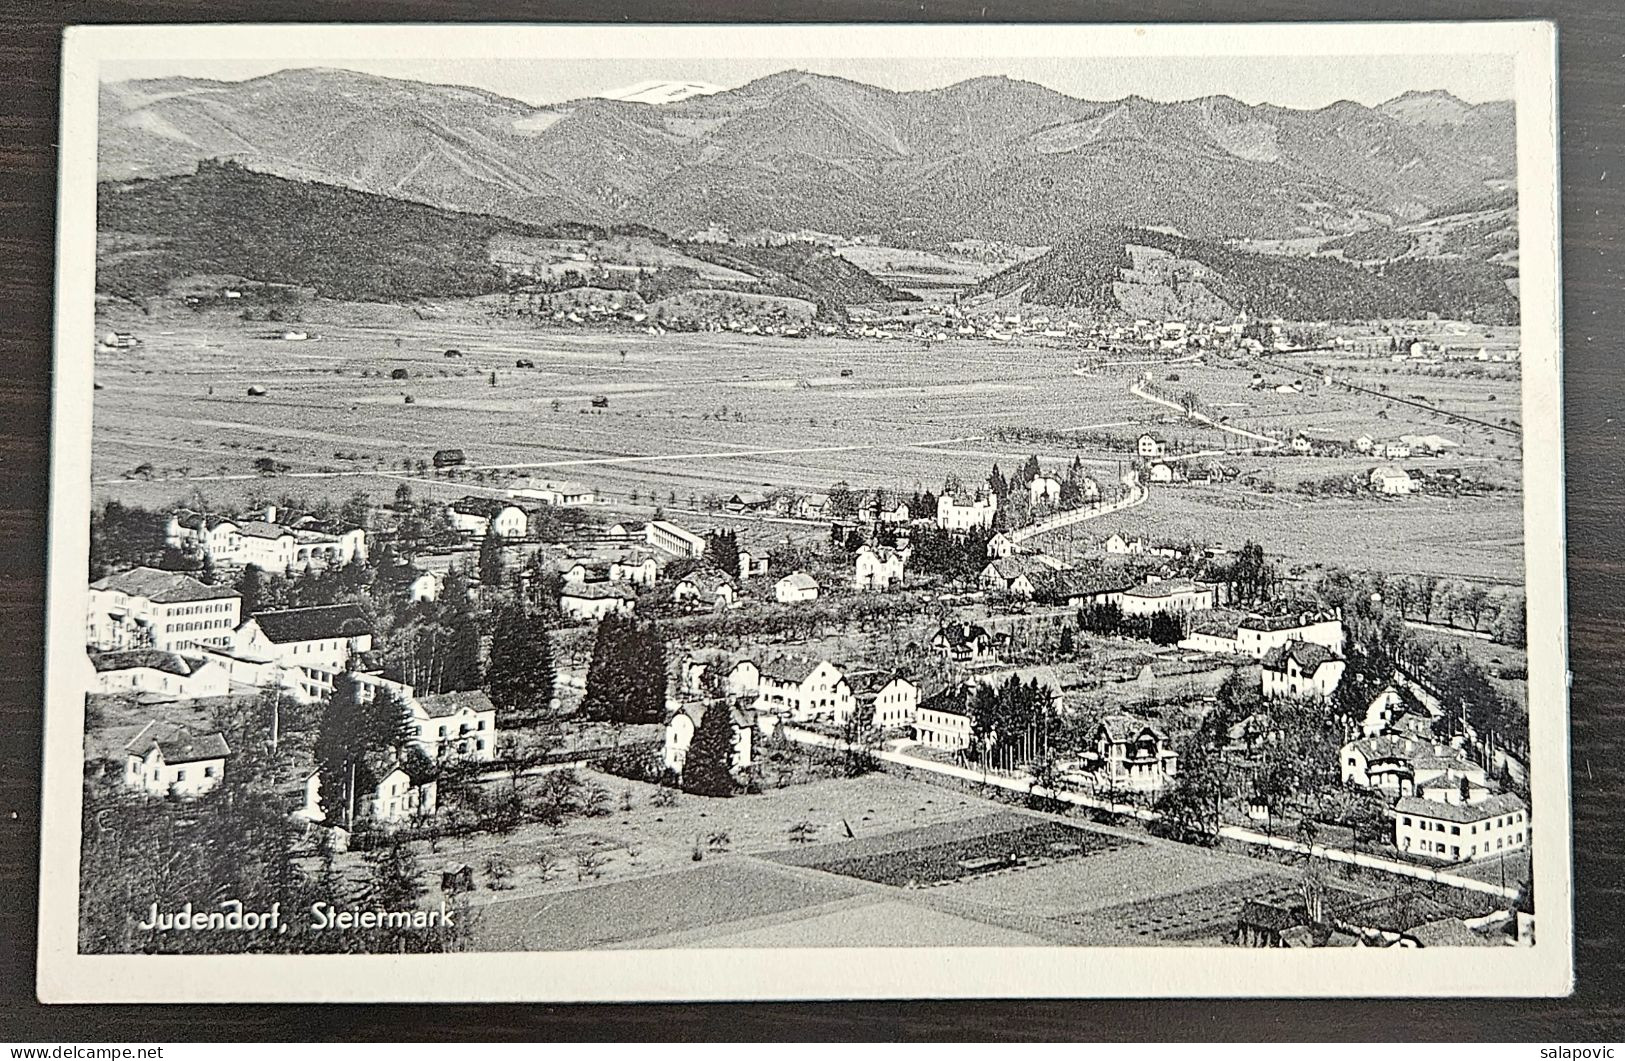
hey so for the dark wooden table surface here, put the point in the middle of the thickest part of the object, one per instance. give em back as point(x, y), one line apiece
point(1593, 109)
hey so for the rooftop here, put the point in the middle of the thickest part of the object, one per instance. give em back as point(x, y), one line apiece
point(1309, 656)
point(312, 624)
point(177, 745)
point(441, 705)
point(163, 587)
point(1460, 813)
point(1168, 587)
point(168, 662)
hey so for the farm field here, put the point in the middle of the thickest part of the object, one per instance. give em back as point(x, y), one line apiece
point(694, 415)
point(901, 882)
point(1473, 537)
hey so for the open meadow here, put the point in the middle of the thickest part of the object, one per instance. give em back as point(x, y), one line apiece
point(364, 406)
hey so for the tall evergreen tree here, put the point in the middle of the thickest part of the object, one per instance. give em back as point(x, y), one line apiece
point(722, 551)
point(650, 676)
point(608, 677)
point(251, 586)
point(708, 766)
point(997, 483)
point(491, 567)
point(520, 672)
point(352, 737)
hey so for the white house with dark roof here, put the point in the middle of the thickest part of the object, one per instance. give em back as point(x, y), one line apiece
point(795, 588)
point(1400, 765)
point(795, 687)
point(1176, 596)
point(457, 725)
point(1149, 447)
point(561, 493)
point(164, 675)
point(686, 719)
point(1257, 634)
point(166, 610)
point(1478, 826)
point(811, 507)
point(594, 600)
point(893, 698)
point(480, 516)
point(323, 639)
point(165, 760)
point(1301, 669)
point(943, 722)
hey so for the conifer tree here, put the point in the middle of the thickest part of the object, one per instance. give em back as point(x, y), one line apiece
point(520, 672)
point(707, 768)
point(491, 561)
point(608, 687)
point(997, 483)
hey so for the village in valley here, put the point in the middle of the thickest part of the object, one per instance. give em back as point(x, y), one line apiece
point(956, 618)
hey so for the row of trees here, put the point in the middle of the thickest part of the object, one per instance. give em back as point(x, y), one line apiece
point(1162, 628)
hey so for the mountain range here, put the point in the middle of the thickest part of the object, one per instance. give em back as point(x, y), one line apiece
point(990, 158)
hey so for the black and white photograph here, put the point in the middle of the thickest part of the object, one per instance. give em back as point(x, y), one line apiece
point(786, 512)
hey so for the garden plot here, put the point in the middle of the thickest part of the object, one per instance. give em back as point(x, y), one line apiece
point(1206, 914)
point(941, 854)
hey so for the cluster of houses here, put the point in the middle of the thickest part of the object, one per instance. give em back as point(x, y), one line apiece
point(297, 544)
point(166, 637)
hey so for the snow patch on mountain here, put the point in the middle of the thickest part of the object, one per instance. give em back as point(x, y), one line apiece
point(660, 92)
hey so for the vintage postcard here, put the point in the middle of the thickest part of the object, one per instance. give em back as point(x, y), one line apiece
point(740, 512)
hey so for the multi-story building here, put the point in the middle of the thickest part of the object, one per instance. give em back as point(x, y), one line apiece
point(799, 688)
point(165, 610)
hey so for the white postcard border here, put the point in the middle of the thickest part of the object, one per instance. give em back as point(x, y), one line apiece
point(64, 975)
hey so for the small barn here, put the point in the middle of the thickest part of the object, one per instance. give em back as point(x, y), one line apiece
point(449, 458)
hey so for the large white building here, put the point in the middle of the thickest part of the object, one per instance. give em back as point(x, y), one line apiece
point(1461, 829)
point(1174, 596)
point(943, 723)
point(880, 569)
point(975, 514)
point(310, 645)
point(1400, 765)
point(894, 699)
point(166, 610)
point(266, 543)
point(459, 725)
point(1256, 635)
point(668, 537)
point(800, 689)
